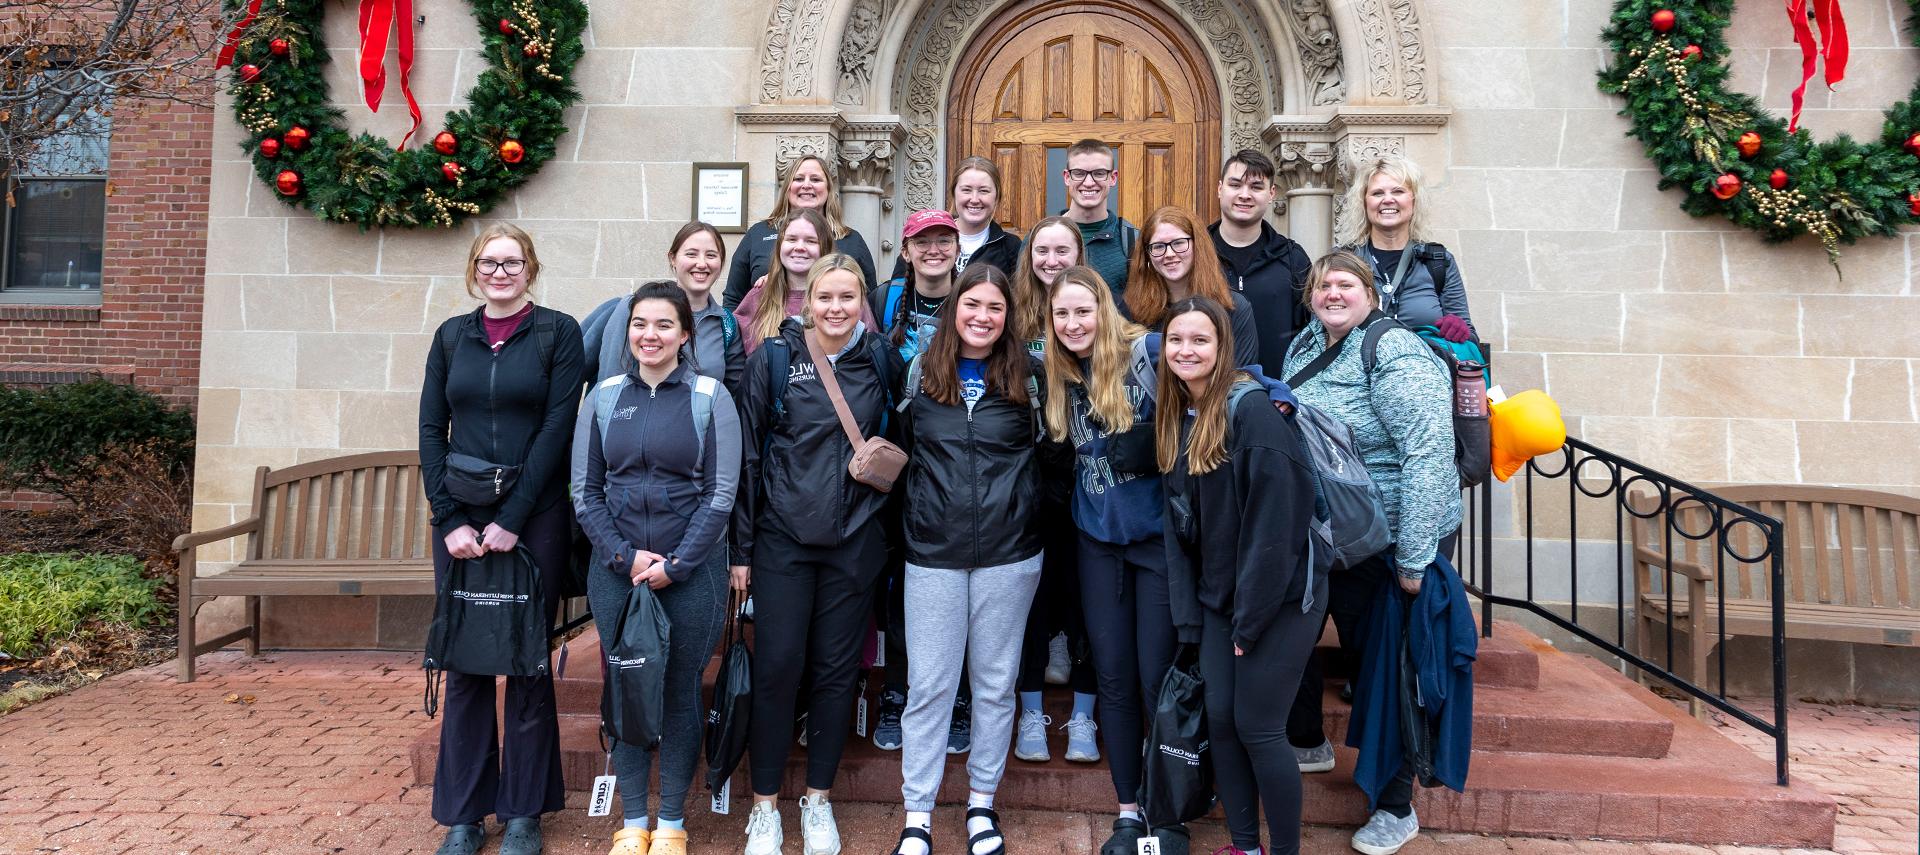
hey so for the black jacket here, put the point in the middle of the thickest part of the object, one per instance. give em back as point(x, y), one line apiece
point(514, 408)
point(795, 472)
point(1001, 250)
point(756, 249)
point(972, 483)
point(1245, 553)
point(1272, 283)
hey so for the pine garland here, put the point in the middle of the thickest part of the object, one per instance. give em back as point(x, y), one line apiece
point(506, 132)
point(1691, 125)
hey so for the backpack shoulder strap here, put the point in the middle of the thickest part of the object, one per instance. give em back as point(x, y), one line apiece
point(779, 363)
point(702, 400)
point(889, 315)
point(1146, 351)
point(449, 341)
point(1033, 399)
point(1434, 256)
point(729, 330)
point(912, 387)
point(605, 397)
point(1129, 233)
point(543, 336)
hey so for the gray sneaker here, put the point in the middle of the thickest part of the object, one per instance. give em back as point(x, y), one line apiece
point(1385, 833)
point(1030, 737)
point(1316, 759)
point(1081, 746)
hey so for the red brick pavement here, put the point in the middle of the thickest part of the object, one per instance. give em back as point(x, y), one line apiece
point(318, 764)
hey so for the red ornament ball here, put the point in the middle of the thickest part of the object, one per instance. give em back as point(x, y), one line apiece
point(1663, 20)
point(1726, 186)
point(451, 170)
point(1691, 52)
point(1778, 180)
point(1913, 203)
point(270, 147)
point(288, 182)
point(296, 137)
point(445, 142)
point(1913, 145)
point(512, 151)
point(1748, 144)
point(279, 47)
point(249, 73)
point(506, 27)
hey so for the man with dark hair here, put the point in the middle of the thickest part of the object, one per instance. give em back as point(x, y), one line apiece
point(1260, 262)
point(1090, 176)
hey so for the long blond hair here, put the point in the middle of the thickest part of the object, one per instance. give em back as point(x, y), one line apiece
point(1355, 229)
point(1147, 291)
point(1207, 447)
point(830, 210)
point(1106, 377)
point(773, 294)
point(1030, 313)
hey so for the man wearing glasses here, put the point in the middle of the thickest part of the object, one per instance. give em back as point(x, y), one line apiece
point(1090, 177)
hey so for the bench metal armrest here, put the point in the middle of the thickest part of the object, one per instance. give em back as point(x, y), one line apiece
point(188, 541)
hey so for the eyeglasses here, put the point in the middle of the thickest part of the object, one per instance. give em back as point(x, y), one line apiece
point(941, 242)
point(487, 266)
point(1179, 246)
point(1079, 175)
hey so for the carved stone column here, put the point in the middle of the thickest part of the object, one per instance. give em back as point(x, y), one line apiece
point(868, 146)
point(1303, 151)
point(1317, 157)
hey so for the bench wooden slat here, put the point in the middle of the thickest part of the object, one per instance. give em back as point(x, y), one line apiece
point(416, 494)
point(1849, 564)
point(1897, 529)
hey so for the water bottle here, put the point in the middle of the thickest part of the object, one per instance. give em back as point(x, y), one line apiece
point(1470, 390)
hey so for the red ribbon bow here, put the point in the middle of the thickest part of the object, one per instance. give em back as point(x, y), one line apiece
point(377, 18)
point(1832, 47)
point(225, 57)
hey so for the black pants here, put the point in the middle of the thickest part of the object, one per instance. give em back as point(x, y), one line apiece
point(810, 607)
point(515, 773)
point(1247, 699)
point(1123, 593)
point(1350, 595)
point(1056, 608)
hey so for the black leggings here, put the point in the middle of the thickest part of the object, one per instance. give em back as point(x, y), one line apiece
point(1247, 699)
point(810, 606)
point(1056, 608)
point(1123, 593)
point(512, 772)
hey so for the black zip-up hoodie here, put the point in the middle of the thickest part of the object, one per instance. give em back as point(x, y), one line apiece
point(1001, 250)
point(972, 483)
point(1246, 553)
point(795, 472)
point(506, 408)
point(1272, 283)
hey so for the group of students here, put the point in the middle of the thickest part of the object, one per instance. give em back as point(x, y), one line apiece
point(1080, 458)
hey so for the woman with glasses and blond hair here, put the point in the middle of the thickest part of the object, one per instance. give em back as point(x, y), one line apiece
point(807, 185)
point(1170, 265)
point(1418, 280)
point(501, 385)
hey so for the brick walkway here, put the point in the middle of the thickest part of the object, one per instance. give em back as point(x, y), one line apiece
point(317, 763)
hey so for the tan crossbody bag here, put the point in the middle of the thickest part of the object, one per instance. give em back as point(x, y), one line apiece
point(876, 462)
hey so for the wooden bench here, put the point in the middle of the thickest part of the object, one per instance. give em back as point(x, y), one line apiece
point(354, 526)
point(1849, 558)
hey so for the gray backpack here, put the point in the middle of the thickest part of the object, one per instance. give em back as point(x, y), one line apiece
point(1349, 515)
point(607, 394)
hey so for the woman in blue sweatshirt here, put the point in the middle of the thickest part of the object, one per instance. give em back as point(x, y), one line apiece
point(1239, 492)
point(662, 465)
point(1100, 374)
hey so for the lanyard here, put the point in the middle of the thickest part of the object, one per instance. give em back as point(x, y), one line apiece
point(1399, 275)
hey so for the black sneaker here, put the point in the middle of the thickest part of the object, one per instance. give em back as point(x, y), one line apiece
point(960, 732)
point(886, 732)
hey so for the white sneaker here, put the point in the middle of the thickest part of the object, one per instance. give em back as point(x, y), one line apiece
point(1081, 746)
point(763, 830)
point(1059, 664)
point(818, 833)
point(1030, 741)
point(1385, 833)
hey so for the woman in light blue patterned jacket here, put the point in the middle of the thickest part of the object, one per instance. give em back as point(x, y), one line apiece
point(1401, 412)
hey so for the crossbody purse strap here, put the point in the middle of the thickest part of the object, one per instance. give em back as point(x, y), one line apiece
point(825, 369)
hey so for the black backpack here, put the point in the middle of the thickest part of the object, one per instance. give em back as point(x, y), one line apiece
point(1472, 438)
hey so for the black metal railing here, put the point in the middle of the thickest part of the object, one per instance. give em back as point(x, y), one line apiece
point(1687, 538)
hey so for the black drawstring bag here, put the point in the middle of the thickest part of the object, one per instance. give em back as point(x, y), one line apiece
point(633, 700)
point(1177, 782)
point(732, 705)
point(488, 618)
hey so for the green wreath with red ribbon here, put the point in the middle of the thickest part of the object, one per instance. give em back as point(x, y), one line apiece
point(301, 146)
point(1737, 160)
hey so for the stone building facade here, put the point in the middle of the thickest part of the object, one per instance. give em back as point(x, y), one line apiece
point(1684, 343)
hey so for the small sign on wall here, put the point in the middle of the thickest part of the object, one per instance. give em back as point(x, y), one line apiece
point(720, 195)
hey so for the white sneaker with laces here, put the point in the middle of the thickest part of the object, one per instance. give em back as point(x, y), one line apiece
point(1030, 741)
point(1059, 664)
point(1081, 745)
point(763, 830)
point(819, 835)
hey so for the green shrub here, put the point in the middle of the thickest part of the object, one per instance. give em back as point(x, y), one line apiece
point(50, 438)
point(47, 597)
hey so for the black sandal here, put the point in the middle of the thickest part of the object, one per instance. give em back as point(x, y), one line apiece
point(1126, 836)
point(913, 831)
point(988, 834)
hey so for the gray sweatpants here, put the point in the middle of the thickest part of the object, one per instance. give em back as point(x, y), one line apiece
point(976, 617)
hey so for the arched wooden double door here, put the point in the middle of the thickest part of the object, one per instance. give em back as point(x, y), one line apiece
point(1045, 74)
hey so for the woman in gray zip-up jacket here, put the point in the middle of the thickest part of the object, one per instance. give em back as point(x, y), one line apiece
point(662, 463)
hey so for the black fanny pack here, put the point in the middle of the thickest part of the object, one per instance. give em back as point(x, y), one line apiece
point(475, 482)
